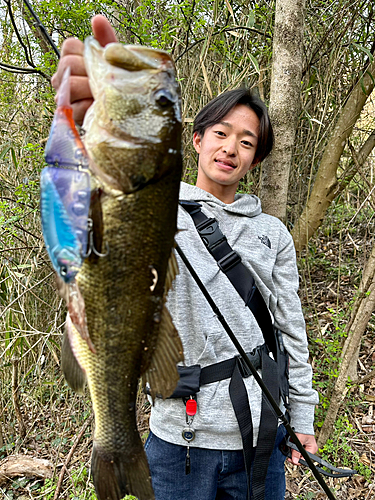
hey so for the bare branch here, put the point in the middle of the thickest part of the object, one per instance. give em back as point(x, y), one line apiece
point(26, 51)
point(253, 30)
point(12, 20)
point(16, 69)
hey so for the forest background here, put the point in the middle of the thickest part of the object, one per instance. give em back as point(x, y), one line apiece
point(313, 63)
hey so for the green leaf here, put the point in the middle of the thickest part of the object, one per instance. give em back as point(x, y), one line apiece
point(5, 151)
point(251, 19)
point(365, 50)
point(255, 63)
point(215, 10)
point(371, 76)
point(363, 85)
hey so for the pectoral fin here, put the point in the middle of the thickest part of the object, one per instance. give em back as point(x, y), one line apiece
point(77, 313)
point(162, 375)
point(172, 272)
point(72, 371)
point(76, 308)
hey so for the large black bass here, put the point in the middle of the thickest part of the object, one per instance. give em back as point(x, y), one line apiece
point(132, 134)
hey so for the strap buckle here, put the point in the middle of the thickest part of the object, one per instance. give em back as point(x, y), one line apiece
point(244, 369)
point(210, 233)
point(228, 261)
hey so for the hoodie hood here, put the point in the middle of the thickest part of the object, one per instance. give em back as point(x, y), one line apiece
point(243, 204)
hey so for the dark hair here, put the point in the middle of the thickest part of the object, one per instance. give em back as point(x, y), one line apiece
point(219, 107)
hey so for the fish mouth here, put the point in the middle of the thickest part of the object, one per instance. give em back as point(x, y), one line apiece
point(137, 58)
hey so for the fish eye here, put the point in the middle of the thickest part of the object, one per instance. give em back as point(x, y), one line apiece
point(164, 98)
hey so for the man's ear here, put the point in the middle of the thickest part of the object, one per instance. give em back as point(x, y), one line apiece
point(197, 139)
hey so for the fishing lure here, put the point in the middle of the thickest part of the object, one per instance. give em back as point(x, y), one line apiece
point(65, 195)
point(65, 191)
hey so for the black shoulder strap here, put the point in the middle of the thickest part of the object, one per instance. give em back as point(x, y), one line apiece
point(238, 274)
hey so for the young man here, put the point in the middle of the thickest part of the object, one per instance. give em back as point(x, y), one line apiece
point(231, 135)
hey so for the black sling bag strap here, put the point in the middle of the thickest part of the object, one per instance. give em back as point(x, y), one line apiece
point(230, 263)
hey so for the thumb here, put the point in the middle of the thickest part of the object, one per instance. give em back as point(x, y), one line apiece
point(103, 30)
point(295, 457)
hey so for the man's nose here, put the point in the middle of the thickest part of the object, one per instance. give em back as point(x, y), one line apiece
point(229, 146)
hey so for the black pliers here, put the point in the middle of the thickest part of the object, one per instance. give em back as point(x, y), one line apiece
point(287, 446)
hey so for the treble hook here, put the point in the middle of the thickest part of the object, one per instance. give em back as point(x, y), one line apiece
point(91, 247)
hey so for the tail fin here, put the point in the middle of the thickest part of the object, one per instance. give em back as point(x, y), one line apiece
point(117, 476)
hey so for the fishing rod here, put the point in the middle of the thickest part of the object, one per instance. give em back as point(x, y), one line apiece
point(280, 415)
point(43, 29)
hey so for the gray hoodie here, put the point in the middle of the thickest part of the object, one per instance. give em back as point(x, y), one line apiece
point(266, 247)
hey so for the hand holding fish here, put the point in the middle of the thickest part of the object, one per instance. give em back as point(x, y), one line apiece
point(72, 55)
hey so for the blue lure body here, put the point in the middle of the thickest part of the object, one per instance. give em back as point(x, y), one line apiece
point(65, 202)
point(65, 195)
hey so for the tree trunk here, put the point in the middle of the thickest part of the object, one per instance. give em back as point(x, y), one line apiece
point(324, 189)
point(363, 308)
point(284, 103)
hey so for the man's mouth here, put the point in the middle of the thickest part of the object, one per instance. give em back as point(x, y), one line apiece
point(227, 163)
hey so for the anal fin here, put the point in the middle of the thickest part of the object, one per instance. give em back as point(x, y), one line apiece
point(162, 375)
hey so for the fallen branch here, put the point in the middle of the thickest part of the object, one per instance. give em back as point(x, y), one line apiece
point(70, 454)
point(20, 465)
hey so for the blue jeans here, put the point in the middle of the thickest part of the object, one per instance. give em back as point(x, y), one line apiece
point(215, 474)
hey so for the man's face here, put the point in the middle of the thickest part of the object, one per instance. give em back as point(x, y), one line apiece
point(226, 152)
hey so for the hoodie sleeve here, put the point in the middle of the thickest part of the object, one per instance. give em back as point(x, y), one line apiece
point(289, 319)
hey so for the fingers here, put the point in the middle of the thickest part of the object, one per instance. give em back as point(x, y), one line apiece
point(308, 442)
point(72, 46)
point(80, 97)
point(80, 108)
point(295, 457)
point(72, 55)
point(103, 30)
point(79, 88)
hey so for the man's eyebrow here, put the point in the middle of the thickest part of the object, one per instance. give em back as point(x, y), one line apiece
point(245, 131)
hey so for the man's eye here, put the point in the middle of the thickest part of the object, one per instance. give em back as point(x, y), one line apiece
point(247, 143)
point(219, 132)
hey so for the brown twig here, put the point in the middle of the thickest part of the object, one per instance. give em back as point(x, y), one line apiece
point(70, 454)
point(364, 379)
point(1, 436)
point(16, 403)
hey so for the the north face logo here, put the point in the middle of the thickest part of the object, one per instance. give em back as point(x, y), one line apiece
point(265, 240)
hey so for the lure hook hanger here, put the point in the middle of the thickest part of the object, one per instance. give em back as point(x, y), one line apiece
point(91, 246)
